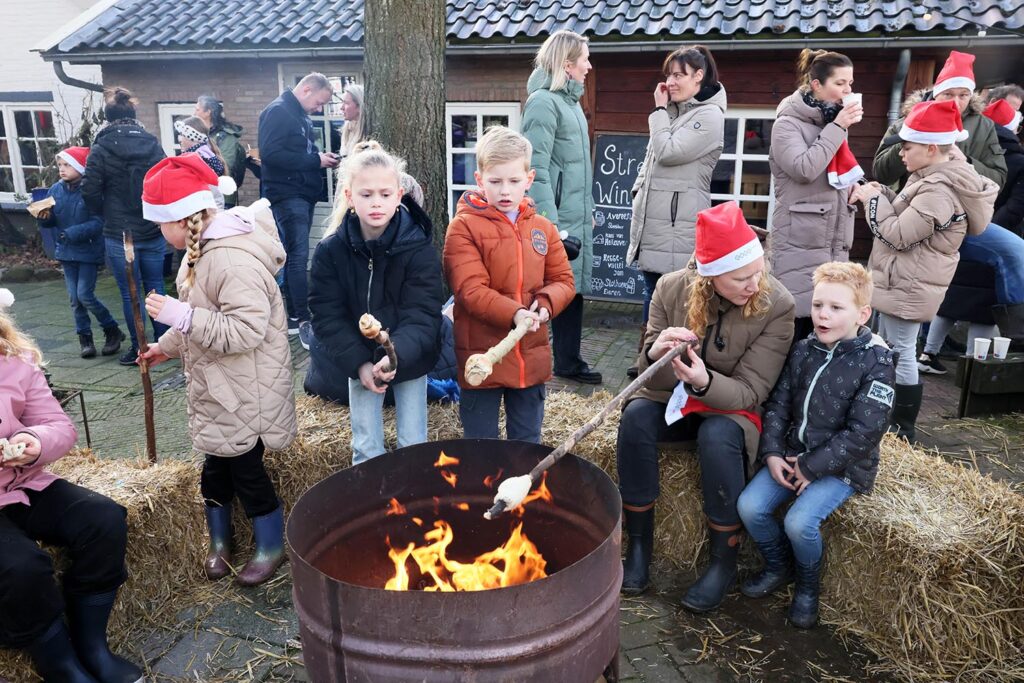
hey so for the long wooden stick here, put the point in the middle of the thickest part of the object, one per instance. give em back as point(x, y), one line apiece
point(140, 334)
point(592, 424)
point(372, 329)
point(479, 366)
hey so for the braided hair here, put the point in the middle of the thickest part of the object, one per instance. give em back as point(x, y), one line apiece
point(193, 247)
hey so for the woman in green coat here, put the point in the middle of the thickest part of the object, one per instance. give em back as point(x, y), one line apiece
point(227, 136)
point(554, 123)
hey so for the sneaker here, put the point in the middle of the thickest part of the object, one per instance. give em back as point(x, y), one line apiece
point(128, 357)
point(305, 334)
point(293, 327)
point(930, 364)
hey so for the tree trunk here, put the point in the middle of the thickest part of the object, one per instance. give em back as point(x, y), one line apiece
point(403, 65)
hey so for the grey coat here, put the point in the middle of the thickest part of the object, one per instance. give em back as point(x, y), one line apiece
point(675, 180)
point(812, 223)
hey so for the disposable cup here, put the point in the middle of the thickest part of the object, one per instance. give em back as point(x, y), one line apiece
point(981, 346)
point(853, 98)
point(1000, 347)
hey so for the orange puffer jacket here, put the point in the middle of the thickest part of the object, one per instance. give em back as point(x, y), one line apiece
point(495, 268)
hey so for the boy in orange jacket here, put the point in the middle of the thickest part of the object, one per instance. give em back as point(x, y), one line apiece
point(505, 264)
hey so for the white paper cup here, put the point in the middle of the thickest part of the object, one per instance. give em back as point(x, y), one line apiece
point(981, 345)
point(1000, 347)
point(853, 98)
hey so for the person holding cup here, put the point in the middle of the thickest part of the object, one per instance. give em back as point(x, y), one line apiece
point(812, 223)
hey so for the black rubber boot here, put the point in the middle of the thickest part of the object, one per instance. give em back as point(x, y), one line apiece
point(906, 405)
point(54, 657)
point(634, 369)
point(88, 348)
point(803, 612)
point(711, 588)
point(636, 568)
point(88, 616)
point(113, 336)
point(777, 571)
point(218, 558)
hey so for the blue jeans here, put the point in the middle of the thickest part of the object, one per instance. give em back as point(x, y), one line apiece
point(1004, 251)
point(367, 415)
point(294, 218)
point(80, 279)
point(149, 276)
point(803, 520)
point(524, 412)
point(650, 280)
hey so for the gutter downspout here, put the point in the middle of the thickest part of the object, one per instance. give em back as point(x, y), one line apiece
point(58, 68)
point(898, 81)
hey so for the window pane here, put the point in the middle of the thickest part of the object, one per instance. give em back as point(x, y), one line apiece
point(39, 177)
point(757, 136)
point(757, 178)
point(722, 176)
point(3, 126)
point(23, 124)
point(756, 213)
point(6, 180)
point(44, 124)
point(456, 195)
point(463, 166)
point(730, 136)
point(464, 132)
point(29, 156)
point(495, 120)
point(48, 150)
point(5, 152)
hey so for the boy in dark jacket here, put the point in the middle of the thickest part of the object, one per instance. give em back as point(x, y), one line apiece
point(822, 426)
point(80, 251)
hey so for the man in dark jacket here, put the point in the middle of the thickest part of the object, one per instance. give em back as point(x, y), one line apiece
point(1010, 202)
point(291, 179)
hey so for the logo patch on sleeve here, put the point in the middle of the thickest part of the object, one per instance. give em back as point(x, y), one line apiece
point(882, 393)
point(540, 242)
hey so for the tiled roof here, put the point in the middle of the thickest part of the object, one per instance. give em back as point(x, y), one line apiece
point(142, 24)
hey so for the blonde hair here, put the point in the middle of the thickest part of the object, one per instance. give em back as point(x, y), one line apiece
point(500, 145)
point(14, 343)
point(193, 246)
point(702, 292)
point(366, 154)
point(852, 275)
point(351, 135)
point(560, 47)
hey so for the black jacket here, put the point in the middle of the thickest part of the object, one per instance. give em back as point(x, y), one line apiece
point(831, 408)
point(289, 157)
point(1010, 201)
point(396, 278)
point(119, 159)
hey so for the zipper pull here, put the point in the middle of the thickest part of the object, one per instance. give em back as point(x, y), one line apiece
point(370, 266)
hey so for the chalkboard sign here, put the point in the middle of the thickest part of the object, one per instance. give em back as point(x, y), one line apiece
point(616, 166)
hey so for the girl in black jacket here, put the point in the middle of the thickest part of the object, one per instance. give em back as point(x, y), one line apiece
point(380, 260)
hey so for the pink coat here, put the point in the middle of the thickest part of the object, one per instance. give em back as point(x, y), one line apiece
point(27, 405)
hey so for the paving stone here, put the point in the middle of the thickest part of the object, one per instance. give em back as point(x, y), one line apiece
point(654, 665)
point(643, 633)
point(201, 655)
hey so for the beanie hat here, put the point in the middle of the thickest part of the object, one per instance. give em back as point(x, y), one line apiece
point(177, 187)
point(75, 157)
point(957, 72)
point(1002, 113)
point(190, 133)
point(931, 123)
point(724, 240)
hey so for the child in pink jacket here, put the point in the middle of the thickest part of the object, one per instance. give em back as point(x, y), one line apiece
point(38, 506)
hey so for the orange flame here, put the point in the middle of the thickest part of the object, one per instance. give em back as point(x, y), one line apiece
point(395, 508)
point(542, 492)
point(491, 479)
point(450, 477)
point(445, 460)
point(417, 521)
point(462, 506)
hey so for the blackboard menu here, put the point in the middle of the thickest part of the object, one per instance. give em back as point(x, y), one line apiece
point(616, 166)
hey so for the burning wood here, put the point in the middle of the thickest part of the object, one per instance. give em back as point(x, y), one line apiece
point(479, 366)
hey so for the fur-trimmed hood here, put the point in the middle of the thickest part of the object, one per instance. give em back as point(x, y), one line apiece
point(976, 106)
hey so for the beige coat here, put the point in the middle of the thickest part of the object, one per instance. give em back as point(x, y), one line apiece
point(675, 182)
point(752, 353)
point(918, 233)
point(812, 222)
point(236, 355)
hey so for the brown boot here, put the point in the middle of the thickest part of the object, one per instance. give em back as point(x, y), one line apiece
point(634, 369)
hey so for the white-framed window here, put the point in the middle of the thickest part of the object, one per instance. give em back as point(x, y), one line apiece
point(465, 122)
point(742, 172)
point(168, 113)
point(28, 145)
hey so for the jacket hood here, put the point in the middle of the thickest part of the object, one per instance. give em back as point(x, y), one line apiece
point(128, 141)
point(795, 106)
point(977, 194)
point(409, 229)
point(707, 97)
point(1009, 140)
point(541, 80)
point(230, 129)
point(473, 204)
point(976, 106)
point(258, 241)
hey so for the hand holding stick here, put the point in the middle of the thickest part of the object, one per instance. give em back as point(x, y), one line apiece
point(512, 491)
point(479, 366)
point(140, 333)
point(371, 329)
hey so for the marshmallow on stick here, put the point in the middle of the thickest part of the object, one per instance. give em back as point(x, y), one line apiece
point(479, 366)
point(372, 329)
point(9, 451)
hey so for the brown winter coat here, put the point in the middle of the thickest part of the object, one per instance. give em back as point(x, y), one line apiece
point(918, 233)
point(675, 181)
point(495, 268)
point(752, 354)
point(812, 222)
point(236, 355)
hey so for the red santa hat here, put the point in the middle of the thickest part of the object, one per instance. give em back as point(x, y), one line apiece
point(177, 187)
point(1001, 112)
point(957, 72)
point(75, 157)
point(931, 123)
point(724, 240)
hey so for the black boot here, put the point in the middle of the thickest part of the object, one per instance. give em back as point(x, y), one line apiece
point(54, 656)
point(112, 342)
point(803, 612)
point(710, 589)
point(128, 357)
point(88, 616)
point(906, 405)
point(777, 571)
point(639, 547)
point(634, 369)
point(88, 348)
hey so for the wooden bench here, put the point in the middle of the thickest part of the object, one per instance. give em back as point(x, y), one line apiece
point(990, 386)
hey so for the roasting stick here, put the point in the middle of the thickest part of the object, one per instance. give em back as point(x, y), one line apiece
point(140, 333)
point(512, 491)
point(479, 366)
point(371, 329)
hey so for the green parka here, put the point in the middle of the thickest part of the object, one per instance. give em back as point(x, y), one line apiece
point(228, 140)
point(554, 123)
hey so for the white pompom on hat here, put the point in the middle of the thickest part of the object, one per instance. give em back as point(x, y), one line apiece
point(957, 72)
point(725, 242)
point(177, 187)
point(6, 298)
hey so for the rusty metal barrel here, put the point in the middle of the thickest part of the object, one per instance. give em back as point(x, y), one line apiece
point(564, 627)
